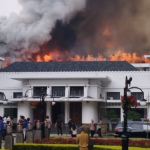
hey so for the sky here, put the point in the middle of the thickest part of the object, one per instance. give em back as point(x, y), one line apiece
point(9, 6)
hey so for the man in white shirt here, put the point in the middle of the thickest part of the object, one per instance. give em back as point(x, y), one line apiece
point(49, 124)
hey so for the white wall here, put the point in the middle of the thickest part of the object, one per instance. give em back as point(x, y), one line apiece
point(1, 110)
point(25, 109)
point(67, 112)
point(89, 111)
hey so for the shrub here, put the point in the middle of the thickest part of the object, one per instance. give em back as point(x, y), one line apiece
point(96, 141)
point(19, 146)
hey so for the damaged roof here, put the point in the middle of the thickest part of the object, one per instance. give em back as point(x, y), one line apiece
point(69, 66)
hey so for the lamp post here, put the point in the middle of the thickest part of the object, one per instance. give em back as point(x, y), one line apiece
point(42, 104)
point(2, 95)
point(125, 139)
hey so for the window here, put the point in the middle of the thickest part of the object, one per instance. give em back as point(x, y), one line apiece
point(17, 94)
point(137, 95)
point(58, 91)
point(38, 91)
point(77, 91)
point(113, 95)
point(12, 112)
point(137, 126)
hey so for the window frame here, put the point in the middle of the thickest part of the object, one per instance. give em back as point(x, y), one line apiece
point(59, 90)
point(117, 97)
point(20, 94)
point(78, 91)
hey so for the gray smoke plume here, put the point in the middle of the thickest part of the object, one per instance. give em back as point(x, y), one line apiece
point(21, 35)
point(127, 20)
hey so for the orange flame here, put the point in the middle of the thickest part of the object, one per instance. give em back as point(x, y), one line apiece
point(131, 58)
point(119, 56)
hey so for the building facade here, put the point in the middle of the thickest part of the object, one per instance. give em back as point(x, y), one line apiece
point(81, 90)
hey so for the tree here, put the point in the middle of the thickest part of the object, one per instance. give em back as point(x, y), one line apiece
point(133, 115)
point(112, 117)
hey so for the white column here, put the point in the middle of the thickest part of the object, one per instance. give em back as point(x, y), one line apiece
point(121, 114)
point(49, 89)
point(148, 111)
point(67, 91)
point(49, 109)
point(25, 109)
point(89, 111)
point(1, 109)
point(86, 91)
point(67, 111)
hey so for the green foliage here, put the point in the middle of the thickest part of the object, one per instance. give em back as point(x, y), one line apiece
point(133, 115)
point(111, 114)
point(104, 125)
point(19, 146)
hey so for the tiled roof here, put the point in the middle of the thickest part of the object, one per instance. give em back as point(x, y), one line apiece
point(64, 66)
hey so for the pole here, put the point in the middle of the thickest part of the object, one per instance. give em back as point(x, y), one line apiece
point(125, 139)
point(147, 114)
point(42, 110)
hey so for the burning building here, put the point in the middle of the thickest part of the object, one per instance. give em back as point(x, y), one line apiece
point(71, 33)
point(78, 88)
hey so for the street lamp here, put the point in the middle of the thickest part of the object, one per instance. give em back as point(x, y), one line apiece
point(2, 95)
point(42, 103)
point(125, 139)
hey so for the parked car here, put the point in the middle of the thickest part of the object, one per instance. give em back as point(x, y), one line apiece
point(134, 129)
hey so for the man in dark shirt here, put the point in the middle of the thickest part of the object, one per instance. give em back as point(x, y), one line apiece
point(59, 125)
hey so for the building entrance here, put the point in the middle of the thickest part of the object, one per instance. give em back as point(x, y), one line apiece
point(37, 112)
point(58, 111)
point(76, 112)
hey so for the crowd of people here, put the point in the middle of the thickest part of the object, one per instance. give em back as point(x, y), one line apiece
point(73, 129)
point(23, 122)
point(4, 122)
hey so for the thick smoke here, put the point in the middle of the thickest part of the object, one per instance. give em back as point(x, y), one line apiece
point(128, 23)
point(21, 35)
point(76, 26)
point(127, 20)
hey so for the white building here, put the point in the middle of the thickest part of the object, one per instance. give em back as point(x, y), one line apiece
point(82, 90)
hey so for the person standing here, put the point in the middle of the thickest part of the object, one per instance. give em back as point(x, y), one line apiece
point(5, 126)
point(82, 139)
point(99, 127)
point(69, 126)
point(92, 128)
point(74, 130)
point(1, 128)
point(26, 124)
point(8, 119)
point(21, 122)
point(59, 125)
point(49, 124)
